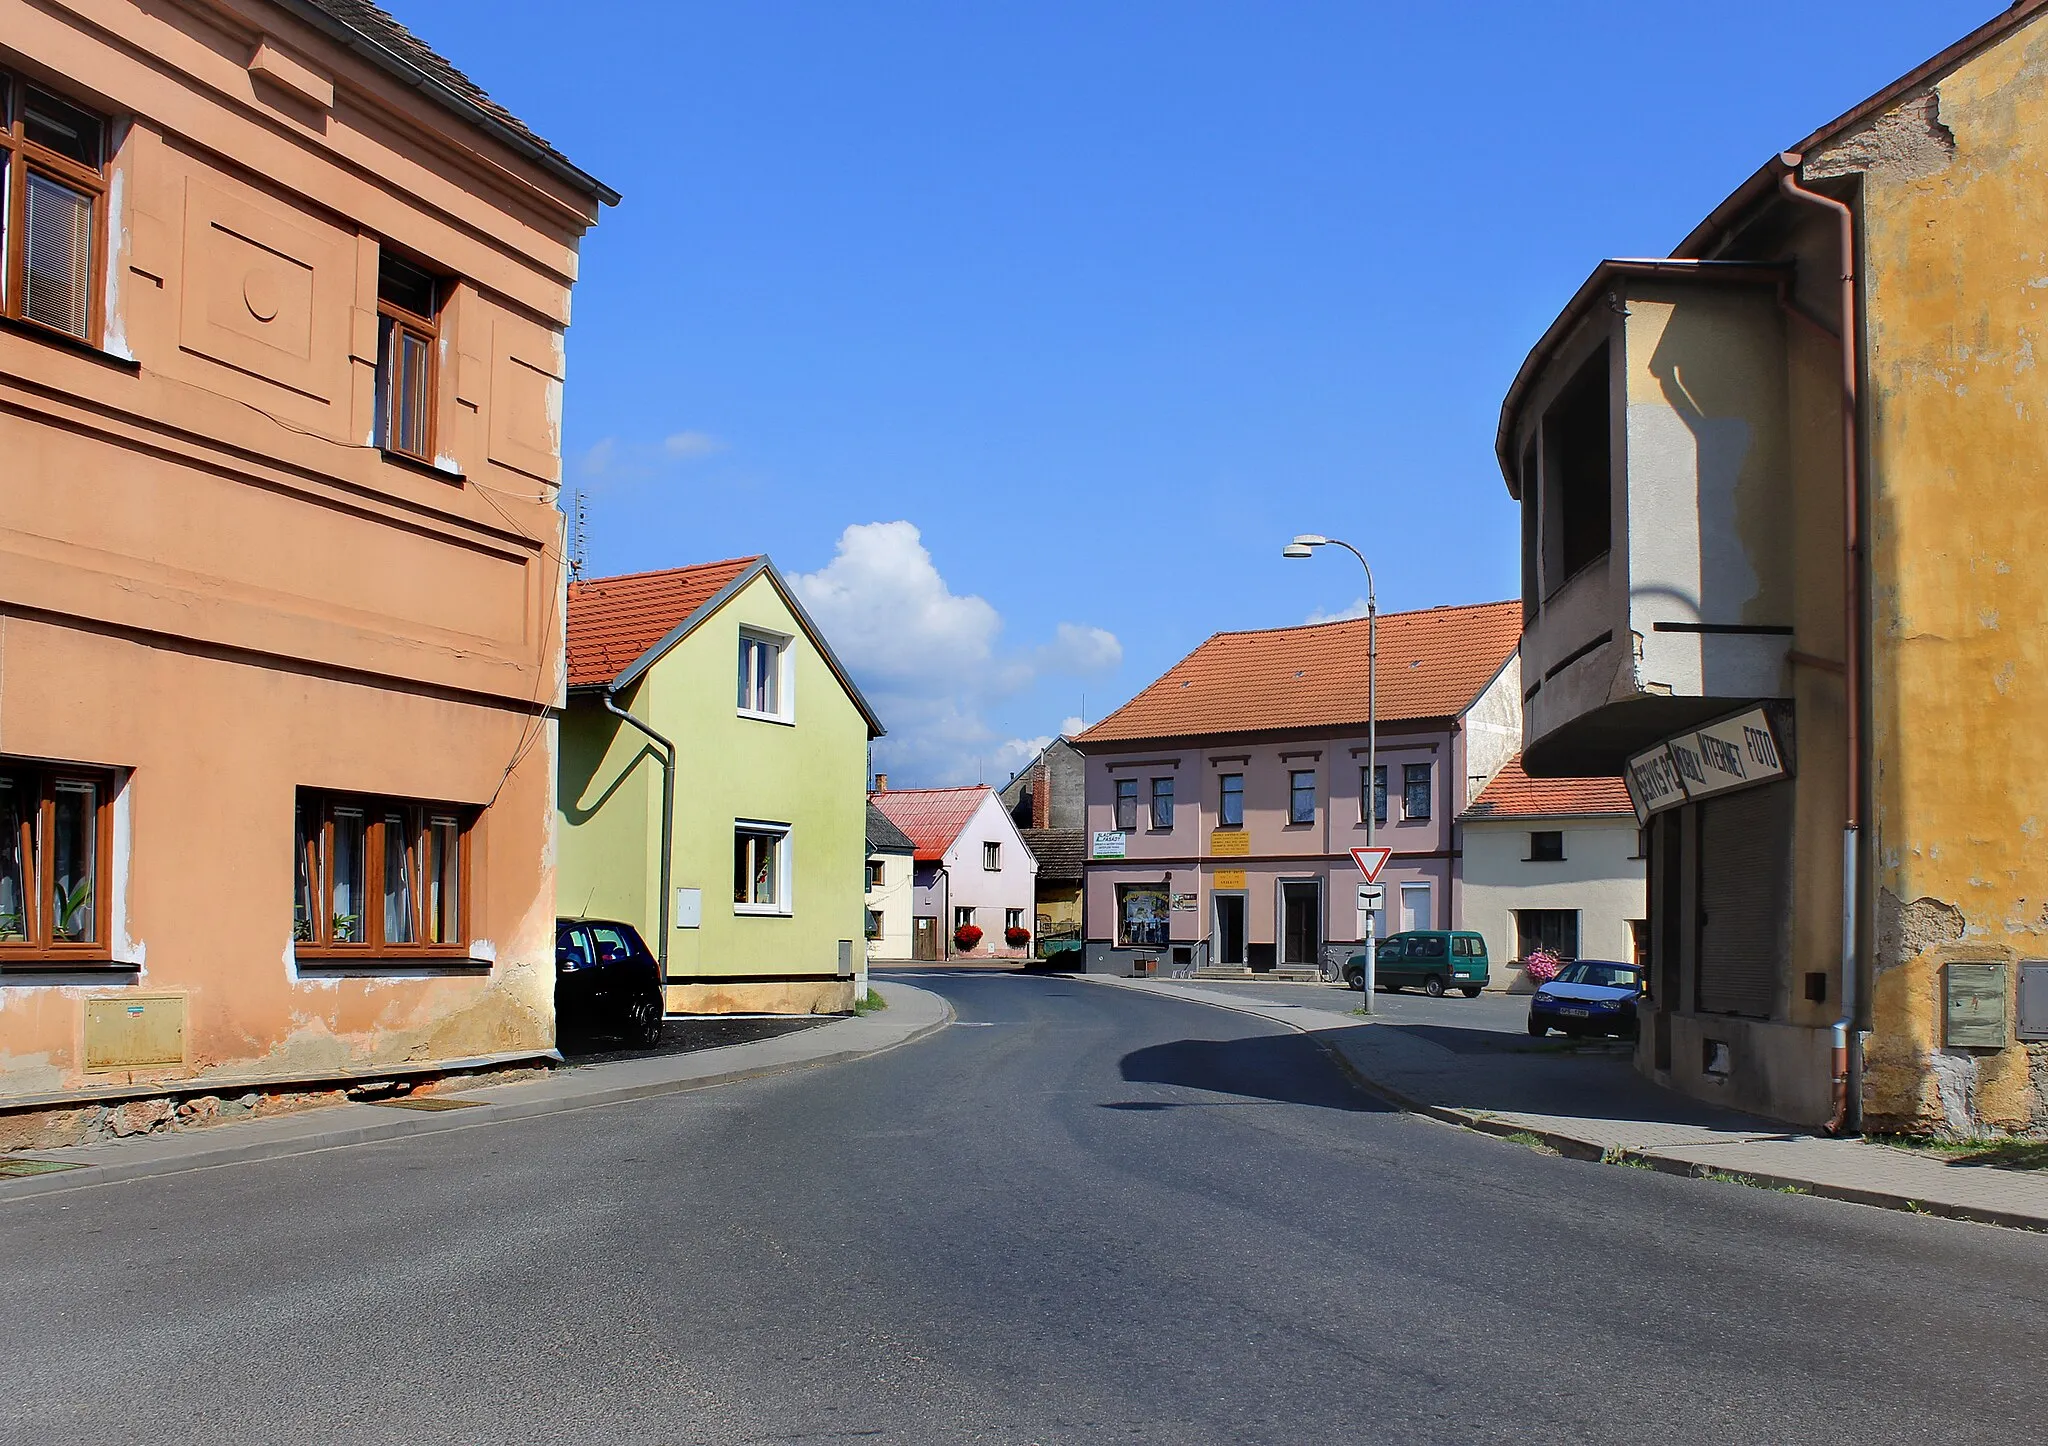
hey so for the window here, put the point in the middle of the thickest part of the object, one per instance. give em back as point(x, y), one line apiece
point(1141, 915)
point(52, 220)
point(963, 918)
point(1546, 846)
point(1466, 948)
point(874, 923)
point(1374, 784)
point(56, 846)
point(764, 688)
point(1301, 796)
point(1230, 801)
point(1162, 803)
point(1554, 929)
point(1127, 803)
point(760, 869)
point(992, 856)
point(408, 337)
point(1577, 504)
point(1415, 790)
point(380, 878)
point(875, 868)
point(1013, 919)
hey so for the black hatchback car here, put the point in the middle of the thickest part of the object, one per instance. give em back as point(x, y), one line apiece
point(606, 982)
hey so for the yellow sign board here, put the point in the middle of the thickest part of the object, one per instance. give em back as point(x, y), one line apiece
point(1228, 879)
point(1230, 842)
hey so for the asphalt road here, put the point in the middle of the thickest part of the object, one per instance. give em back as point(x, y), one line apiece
point(1079, 1215)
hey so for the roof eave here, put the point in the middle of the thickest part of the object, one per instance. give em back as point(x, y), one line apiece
point(396, 65)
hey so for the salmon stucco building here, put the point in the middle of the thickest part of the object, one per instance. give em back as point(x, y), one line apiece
point(1224, 800)
point(713, 787)
point(281, 362)
point(1779, 495)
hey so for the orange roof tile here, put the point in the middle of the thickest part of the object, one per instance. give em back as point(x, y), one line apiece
point(933, 817)
point(1514, 794)
point(1433, 663)
point(613, 620)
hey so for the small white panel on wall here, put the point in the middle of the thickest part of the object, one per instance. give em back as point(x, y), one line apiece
point(689, 908)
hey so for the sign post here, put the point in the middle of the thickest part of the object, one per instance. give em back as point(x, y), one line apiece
point(1370, 861)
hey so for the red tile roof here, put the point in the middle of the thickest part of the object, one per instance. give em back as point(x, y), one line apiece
point(1432, 664)
point(1514, 794)
point(613, 620)
point(933, 817)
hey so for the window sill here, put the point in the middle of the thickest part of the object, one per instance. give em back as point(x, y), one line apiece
point(343, 963)
point(783, 718)
point(64, 339)
point(762, 911)
point(420, 464)
point(1546, 861)
point(60, 964)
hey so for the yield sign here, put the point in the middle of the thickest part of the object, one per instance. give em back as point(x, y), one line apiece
point(1371, 861)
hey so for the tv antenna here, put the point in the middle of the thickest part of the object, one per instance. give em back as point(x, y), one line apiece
point(579, 535)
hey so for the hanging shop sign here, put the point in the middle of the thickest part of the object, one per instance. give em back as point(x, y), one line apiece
point(1738, 752)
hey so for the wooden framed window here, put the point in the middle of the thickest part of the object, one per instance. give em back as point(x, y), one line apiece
point(53, 220)
point(56, 856)
point(408, 343)
point(380, 878)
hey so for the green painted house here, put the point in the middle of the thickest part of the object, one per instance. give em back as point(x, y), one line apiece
point(706, 695)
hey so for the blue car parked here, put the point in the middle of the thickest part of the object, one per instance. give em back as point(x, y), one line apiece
point(1589, 996)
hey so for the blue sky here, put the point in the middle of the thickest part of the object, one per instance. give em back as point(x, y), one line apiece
point(1024, 335)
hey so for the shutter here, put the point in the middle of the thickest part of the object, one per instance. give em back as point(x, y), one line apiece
point(1744, 868)
point(59, 284)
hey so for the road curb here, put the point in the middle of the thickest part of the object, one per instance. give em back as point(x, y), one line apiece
point(208, 1154)
point(1574, 1148)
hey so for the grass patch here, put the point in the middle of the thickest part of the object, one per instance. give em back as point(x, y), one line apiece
point(869, 1003)
point(1725, 1177)
point(1529, 1141)
point(1997, 1153)
point(1615, 1155)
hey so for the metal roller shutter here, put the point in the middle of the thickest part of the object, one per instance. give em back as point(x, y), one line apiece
point(1745, 866)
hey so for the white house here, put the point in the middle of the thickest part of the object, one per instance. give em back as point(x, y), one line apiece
point(1553, 862)
point(890, 888)
point(972, 867)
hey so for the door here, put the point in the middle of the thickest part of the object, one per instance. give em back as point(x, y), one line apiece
point(924, 938)
point(1414, 907)
point(1745, 860)
point(1301, 920)
point(1227, 935)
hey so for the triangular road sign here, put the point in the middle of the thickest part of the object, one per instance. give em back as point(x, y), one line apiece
point(1371, 861)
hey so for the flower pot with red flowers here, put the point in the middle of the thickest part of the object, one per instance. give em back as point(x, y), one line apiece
point(966, 937)
point(1016, 938)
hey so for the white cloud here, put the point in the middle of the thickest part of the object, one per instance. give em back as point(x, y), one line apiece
point(1356, 610)
point(928, 657)
point(597, 459)
point(685, 446)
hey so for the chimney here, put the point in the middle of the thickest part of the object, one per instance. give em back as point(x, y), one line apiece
point(881, 783)
point(1041, 797)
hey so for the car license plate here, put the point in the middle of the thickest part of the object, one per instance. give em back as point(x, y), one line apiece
point(1577, 1013)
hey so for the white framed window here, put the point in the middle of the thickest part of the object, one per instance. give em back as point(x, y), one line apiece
point(761, 858)
point(992, 856)
point(767, 676)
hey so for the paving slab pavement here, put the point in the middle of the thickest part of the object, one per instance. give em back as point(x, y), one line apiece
point(911, 1015)
point(1600, 1108)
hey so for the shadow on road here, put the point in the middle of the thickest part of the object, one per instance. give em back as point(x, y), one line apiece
point(1287, 1068)
point(685, 1036)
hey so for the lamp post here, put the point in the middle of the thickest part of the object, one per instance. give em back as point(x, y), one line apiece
point(1305, 545)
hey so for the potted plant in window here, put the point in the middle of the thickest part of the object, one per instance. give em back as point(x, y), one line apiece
point(966, 937)
point(1016, 936)
point(71, 906)
point(1541, 965)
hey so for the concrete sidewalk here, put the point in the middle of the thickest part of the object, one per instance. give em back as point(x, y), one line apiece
point(1601, 1109)
point(911, 1015)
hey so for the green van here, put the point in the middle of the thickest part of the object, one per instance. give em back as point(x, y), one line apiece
point(1434, 959)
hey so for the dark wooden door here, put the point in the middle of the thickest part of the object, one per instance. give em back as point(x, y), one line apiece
point(924, 938)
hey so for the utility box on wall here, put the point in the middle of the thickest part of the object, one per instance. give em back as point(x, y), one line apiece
point(1976, 1006)
point(2033, 1020)
point(132, 1031)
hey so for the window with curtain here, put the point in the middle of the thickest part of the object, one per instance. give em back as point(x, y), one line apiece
point(52, 209)
point(760, 869)
point(762, 661)
point(379, 878)
point(1162, 803)
point(1301, 796)
point(1415, 790)
point(56, 835)
point(1127, 803)
point(1372, 783)
point(1230, 801)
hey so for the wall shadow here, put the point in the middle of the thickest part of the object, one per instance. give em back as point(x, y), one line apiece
point(1284, 1068)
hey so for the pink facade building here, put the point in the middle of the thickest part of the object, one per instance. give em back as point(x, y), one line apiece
point(1224, 800)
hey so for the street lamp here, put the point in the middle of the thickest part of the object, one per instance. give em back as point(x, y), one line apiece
point(1305, 545)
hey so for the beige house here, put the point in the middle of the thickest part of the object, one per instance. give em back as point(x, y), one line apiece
point(1553, 863)
point(281, 363)
point(890, 887)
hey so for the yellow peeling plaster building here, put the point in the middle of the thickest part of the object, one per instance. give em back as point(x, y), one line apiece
point(1696, 450)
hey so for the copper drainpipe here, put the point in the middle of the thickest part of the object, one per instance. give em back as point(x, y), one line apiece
point(1852, 637)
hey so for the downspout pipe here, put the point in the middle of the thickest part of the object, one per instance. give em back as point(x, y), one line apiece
point(668, 818)
point(1844, 1118)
